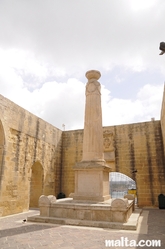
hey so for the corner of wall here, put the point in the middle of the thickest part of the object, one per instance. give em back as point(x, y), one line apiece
point(162, 118)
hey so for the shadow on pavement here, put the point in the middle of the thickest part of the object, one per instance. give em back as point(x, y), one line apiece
point(24, 229)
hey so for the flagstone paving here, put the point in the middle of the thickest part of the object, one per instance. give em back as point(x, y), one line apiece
point(16, 234)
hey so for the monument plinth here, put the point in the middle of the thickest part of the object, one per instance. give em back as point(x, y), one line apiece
point(92, 173)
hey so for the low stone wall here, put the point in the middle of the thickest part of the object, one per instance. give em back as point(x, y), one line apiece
point(113, 210)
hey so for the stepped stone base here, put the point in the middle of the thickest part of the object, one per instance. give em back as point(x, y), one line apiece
point(130, 225)
point(114, 213)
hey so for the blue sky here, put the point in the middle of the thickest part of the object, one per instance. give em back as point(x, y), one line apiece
point(46, 47)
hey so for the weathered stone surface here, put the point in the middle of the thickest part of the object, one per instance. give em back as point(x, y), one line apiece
point(91, 182)
point(69, 209)
point(136, 146)
point(92, 173)
point(119, 203)
point(30, 158)
point(131, 197)
point(93, 133)
point(45, 203)
point(46, 200)
point(28, 145)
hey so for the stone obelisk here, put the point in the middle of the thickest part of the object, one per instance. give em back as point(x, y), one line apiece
point(93, 131)
point(92, 173)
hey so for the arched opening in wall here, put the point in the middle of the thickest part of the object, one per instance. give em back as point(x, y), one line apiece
point(36, 186)
point(121, 184)
point(2, 143)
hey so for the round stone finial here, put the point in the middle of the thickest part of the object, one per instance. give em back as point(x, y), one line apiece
point(119, 203)
point(93, 74)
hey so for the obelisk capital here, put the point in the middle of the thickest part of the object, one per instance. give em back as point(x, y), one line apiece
point(93, 74)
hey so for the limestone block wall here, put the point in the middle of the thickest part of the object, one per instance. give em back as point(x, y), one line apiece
point(29, 147)
point(130, 147)
point(72, 148)
point(37, 158)
point(139, 147)
point(162, 119)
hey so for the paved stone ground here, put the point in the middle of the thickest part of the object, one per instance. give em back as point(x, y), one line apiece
point(16, 234)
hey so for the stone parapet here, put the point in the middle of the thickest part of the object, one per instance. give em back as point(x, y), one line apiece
point(117, 210)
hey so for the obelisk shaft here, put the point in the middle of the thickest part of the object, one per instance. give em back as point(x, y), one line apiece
point(93, 132)
point(92, 173)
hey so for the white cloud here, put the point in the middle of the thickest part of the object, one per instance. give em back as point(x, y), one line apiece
point(47, 46)
point(141, 4)
point(85, 33)
point(64, 102)
point(147, 105)
point(61, 103)
point(57, 103)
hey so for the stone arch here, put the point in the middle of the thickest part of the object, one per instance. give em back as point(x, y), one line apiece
point(2, 151)
point(121, 184)
point(36, 184)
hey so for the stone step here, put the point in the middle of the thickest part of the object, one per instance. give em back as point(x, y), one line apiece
point(130, 225)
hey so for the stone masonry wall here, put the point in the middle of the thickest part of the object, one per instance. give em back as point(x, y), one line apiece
point(37, 158)
point(134, 146)
point(163, 119)
point(72, 146)
point(26, 140)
